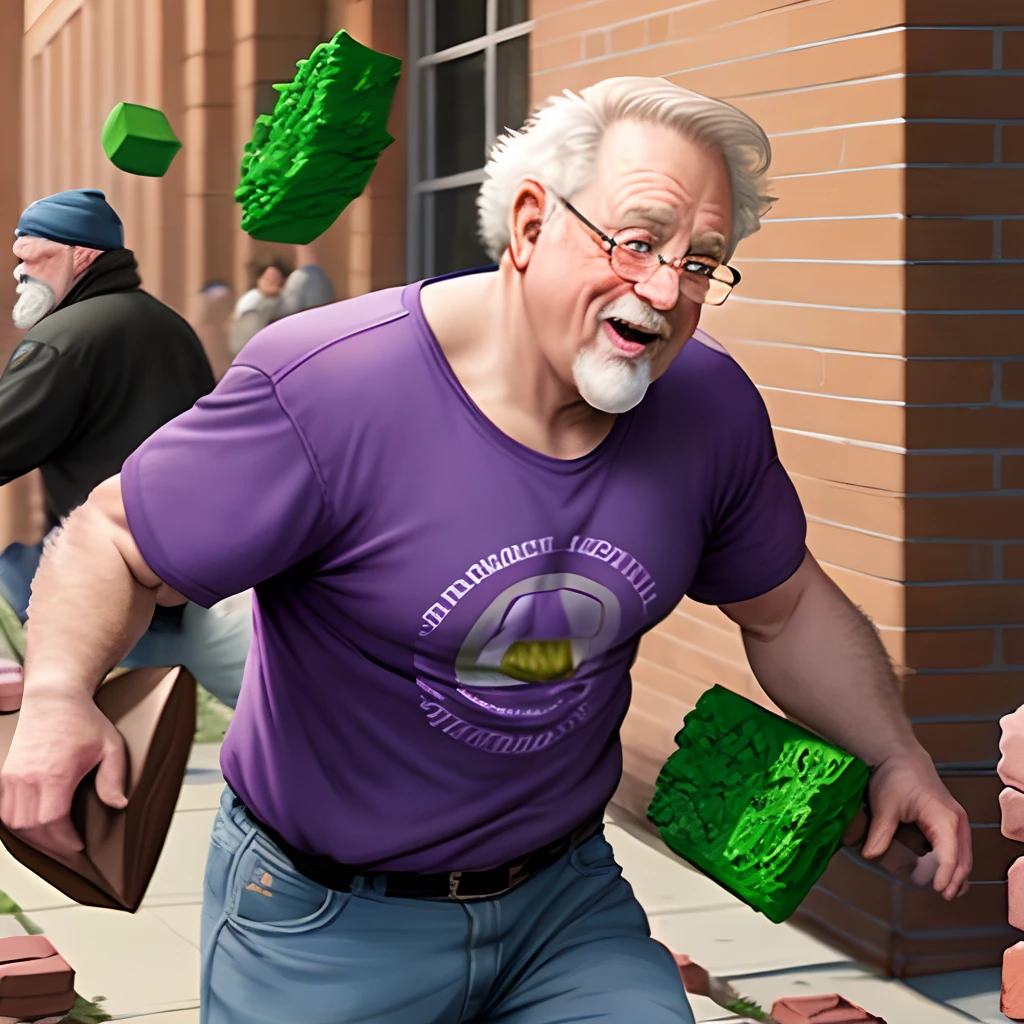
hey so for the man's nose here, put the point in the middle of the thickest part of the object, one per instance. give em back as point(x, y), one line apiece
point(661, 289)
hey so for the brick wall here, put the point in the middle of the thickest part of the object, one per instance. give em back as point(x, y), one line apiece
point(876, 315)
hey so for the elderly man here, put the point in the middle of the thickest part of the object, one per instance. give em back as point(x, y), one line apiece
point(461, 504)
point(103, 365)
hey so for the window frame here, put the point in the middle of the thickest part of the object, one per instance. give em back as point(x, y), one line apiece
point(418, 213)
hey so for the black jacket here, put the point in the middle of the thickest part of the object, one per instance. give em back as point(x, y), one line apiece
point(92, 380)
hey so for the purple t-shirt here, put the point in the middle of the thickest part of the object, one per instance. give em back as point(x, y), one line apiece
point(445, 620)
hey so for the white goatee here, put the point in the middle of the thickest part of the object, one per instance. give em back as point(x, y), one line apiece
point(35, 300)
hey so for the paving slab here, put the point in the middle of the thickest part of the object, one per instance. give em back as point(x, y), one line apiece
point(737, 940)
point(190, 1016)
point(28, 890)
point(10, 927)
point(178, 877)
point(888, 998)
point(139, 963)
point(661, 881)
point(972, 992)
point(182, 920)
point(205, 758)
point(199, 796)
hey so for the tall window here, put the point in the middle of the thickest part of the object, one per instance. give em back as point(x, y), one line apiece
point(469, 63)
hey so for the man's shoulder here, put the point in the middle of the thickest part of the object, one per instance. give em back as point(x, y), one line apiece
point(305, 341)
point(706, 393)
point(97, 313)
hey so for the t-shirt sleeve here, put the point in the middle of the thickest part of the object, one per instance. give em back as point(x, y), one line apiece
point(758, 529)
point(228, 494)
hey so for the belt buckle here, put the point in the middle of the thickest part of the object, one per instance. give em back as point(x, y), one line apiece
point(455, 877)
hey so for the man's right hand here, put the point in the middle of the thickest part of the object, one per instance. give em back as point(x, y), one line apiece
point(59, 739)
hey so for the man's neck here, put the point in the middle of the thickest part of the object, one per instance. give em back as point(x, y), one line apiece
point(482, 327)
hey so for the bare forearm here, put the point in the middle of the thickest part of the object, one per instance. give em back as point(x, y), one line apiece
point(832, 673)
point(87, 609)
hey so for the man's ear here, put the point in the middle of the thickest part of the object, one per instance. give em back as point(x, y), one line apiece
point(528, 209)
point(82, 259)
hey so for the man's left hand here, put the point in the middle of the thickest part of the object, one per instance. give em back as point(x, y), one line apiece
point(907, 788)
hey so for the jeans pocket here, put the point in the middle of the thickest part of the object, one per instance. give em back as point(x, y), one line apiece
point(595, 857)
point(271, 896)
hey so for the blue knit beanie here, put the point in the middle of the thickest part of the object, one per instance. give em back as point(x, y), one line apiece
point(81, 216)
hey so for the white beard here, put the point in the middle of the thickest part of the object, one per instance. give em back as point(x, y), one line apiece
point(610, 383)
point(36, 299)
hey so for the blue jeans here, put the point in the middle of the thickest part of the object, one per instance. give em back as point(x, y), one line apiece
point(212, 643)
point(569, 944)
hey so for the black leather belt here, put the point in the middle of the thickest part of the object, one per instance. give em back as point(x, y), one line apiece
point(456, 885)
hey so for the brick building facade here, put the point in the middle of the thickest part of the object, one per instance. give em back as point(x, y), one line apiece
point(880, 312)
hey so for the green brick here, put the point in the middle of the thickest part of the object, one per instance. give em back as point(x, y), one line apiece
point(308, 160)
point(139, 140)
point(754, 801)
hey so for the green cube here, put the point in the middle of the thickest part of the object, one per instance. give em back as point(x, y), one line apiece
point(308, 160)
point(139, 140)
point(754, 801)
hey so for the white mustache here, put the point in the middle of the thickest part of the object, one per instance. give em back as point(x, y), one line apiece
point(638, 313)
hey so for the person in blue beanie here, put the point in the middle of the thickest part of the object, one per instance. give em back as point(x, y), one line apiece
point(104, 364)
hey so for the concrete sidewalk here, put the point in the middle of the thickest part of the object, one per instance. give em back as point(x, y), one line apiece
point(146, 965)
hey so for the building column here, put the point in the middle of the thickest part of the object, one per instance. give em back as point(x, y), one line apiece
point(210, 164)
point(16, 499)
point(269, 41)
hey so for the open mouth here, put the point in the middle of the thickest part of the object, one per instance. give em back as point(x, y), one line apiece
point(632, 334)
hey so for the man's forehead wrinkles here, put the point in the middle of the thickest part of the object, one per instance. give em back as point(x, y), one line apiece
point(660, 214)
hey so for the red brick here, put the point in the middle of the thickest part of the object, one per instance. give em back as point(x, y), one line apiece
point(981, 906)
point(595, 44)
point(1013, 380)
point(939, 143)
point(1015, 893)
point(1013, 472)
point(948, 50)
point(1011, 998)
point(947, 563)
point(944, 286)
point(630, 36)
point(949, 239)
point(978, 794)
point(955, 12)
point(658, 30)
point(832, 1007)
point(976, 336)
point(1011, 804)
point(695, 978)
point(941, 192)
point(968, 96)
point(1013, 646)
point(981, 693)
point(948, 473)
point(959, 743)
point(993, 853)
point(1013, 143)
point(963, 426)
point(1013, 50)
point(1012, 247)
point(966, 605)
point(950, 648)
point(1013, 562)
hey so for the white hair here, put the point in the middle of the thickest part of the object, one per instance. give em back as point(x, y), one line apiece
point(558, 147)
